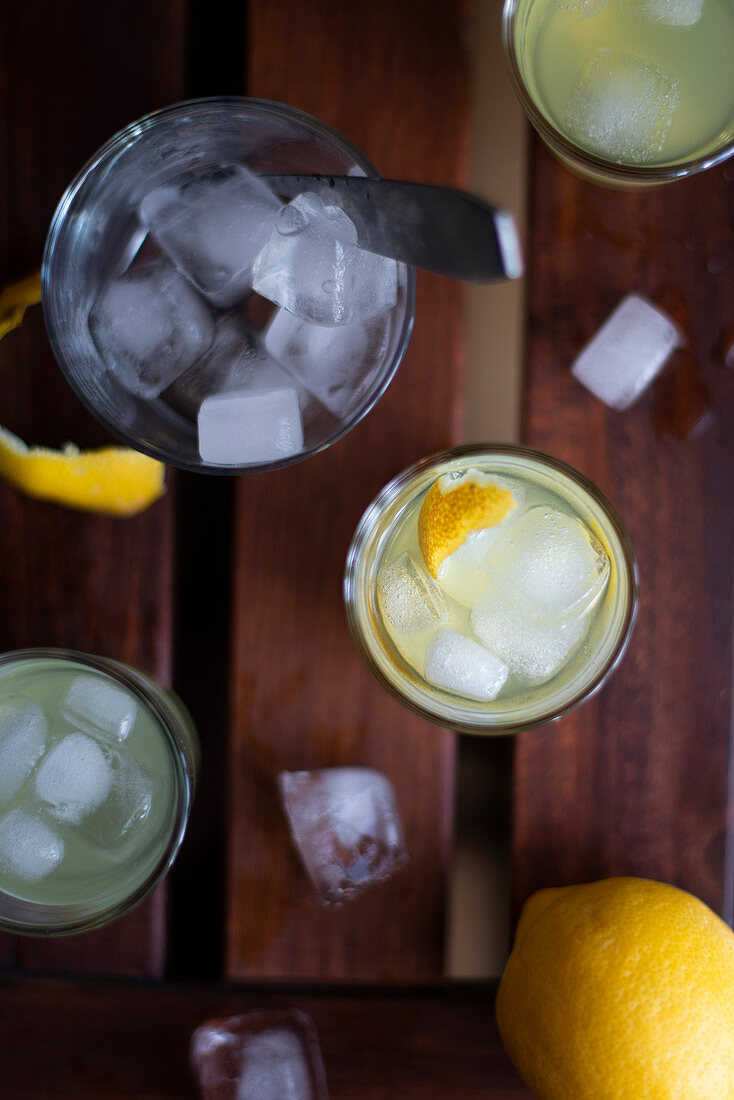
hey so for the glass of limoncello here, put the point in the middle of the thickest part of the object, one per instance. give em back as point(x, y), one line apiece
point(626, 91)
point(98, 767)
point(491, 588)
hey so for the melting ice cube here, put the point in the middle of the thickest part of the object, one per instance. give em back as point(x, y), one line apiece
point(23, 733)
point(28, 847)
point(250, 426)
point(128, 804)
point(337, 364)
point(213, 225)
point(675, 13)
point(462, 665)
point(99, 707)
point(549, 565)
point(409, 599)
point(313, 266)
point(74, 777)
point(346, 826)
point(270, 1055)
point(622, 107)
point(149, 326)
point(624, 356)
point(532, 651)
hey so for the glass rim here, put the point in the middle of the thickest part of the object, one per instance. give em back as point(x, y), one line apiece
point(597, 167)
point(184, 794)
point(492, 725)
point(60, 219)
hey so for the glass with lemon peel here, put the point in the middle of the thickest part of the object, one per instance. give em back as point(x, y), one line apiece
point(491, 588)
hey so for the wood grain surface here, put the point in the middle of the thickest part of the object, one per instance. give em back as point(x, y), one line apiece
point(392, 78)
point(637, 780)
point(100, 1042)
point(71, 76)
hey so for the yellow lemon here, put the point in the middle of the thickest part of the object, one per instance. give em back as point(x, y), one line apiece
point(621, 989)
point(15, 299)
point(455, 506)
point(113, 480)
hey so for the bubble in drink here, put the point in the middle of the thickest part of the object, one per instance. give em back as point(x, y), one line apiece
point(673, 13)
point(250, 426)
point(74, 778)
point(313, 267)
point(460, 664)
point(213, 224)
point(346, 826)
point(149, 326)
point(99, 707)
point(549, 565)
point(409, 599)
point(533, 652)
point(627, 352)
point(23, 734)
point(330, 361)
point(622, 107)
point(29, 848)
point(583, 9)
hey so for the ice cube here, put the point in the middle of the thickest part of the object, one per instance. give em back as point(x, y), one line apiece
point(462, 665)
point(237, 360)
point(337, 364)
point(462, 575)
point(624, 356)
point(346, 826)
point(534, 652)
point(23, 733)
point(583, 9)
point(250, 426)
point(622, 107)
point(149, 326)
point(212, 225)
point(674, 13)
point(128, 804)
point(270, 1055)
point(97, 706)
point(550, 565)
point(28, 847)
point(312, 266)
point(74, 777)
point(409, 599)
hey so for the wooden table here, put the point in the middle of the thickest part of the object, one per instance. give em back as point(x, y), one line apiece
point(230, 590)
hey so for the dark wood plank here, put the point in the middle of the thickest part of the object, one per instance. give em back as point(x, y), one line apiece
point(74, 75)
point(110, 1042)
point(636, 782)
point(393, 78)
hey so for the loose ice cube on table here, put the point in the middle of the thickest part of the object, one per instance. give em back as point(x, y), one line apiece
point(336, 364)
point(250, 426)
point(149, 326)
point(312, 266)
point(409, 599)
point(462, 665)
point(532, 651)
point(622, 107)
point(28, 847)
point(237, 360)
point(674, 13)
point(624, 356)
point(269, 1055)
point(346, 826)
point(74, 778)
point(549, 565)
point(212, 225)
point(100, 707)
point(23, 733)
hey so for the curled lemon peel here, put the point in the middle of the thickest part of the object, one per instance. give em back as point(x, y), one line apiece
point(453, 508)
point(113, 481)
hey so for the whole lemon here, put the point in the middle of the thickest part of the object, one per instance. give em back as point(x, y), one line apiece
point(621, 989)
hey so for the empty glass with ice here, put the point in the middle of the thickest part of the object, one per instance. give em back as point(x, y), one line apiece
point(98, 768)
point(491, 588)
point(201, 316)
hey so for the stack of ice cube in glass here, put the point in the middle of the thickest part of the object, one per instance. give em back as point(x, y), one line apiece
point(509, 607)
point(177, 324)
